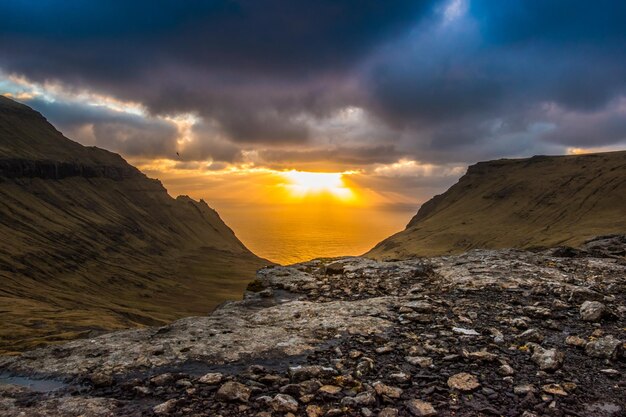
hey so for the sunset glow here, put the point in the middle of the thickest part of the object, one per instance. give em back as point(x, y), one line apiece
point(343, 116)
point(307, 184)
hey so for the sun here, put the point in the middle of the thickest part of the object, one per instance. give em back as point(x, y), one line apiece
point(302, 184)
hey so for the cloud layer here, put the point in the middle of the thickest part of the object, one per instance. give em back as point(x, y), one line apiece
point(322, 84)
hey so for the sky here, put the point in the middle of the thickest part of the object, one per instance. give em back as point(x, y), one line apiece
point(229, 99)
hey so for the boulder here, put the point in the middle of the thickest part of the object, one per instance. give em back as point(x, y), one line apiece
point(592, 311)
point(212, 378)
point(463, 382)
point(233, 392)
point(547, 359)
point(606, 347)
point(421, 408)
point(284, 403)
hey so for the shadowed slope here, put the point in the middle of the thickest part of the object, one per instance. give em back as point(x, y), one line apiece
point(90, 243)
point(540, 201)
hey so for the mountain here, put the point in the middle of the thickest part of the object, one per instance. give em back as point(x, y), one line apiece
point(524, 203)
point(89, 243)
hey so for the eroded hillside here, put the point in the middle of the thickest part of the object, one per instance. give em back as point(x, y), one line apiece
point(541, 201)
point(90, 243)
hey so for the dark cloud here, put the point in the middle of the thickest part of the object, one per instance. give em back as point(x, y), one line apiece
point(206, 142)
point(351, 156)
point(477, 86)
point(438, 80)
point(592, 128)
point(268, 35)
point(263, 127)
point(128, 134)
point(251, 65)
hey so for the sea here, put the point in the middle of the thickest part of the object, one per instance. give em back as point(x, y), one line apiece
point(289, 233)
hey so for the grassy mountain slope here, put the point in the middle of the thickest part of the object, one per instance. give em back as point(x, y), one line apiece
point(89, 243)
point(539, 201)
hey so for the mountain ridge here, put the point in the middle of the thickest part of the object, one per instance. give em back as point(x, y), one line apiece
point(92, 244)
point(540, 201)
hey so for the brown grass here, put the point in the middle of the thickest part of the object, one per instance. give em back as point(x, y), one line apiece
point(83, 255)
point(524, 203)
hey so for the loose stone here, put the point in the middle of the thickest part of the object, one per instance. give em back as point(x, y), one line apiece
point(463, 382)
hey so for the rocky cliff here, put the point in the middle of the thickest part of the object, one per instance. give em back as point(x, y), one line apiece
point(90, 244)
point(523, 203)
point(485, 333)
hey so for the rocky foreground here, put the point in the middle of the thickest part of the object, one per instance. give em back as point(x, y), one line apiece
point(487, 333)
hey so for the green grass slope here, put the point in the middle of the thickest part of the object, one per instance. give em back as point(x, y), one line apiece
point(523, 203)
point(88, 243)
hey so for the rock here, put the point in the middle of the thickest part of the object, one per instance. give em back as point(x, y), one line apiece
point(355, 354)
point(386, 390)
point(419, 306)
point(212, 378)
point(364, 367)
point(263, 399)
point(388, 412)
point(142, 390)
point(385, 349)
point(463, 382)
point(481, 355)
point(314, 411)
point(284, 403)
point(233, 391)
point(362, 399)
point(592, 311)
point(421, 408)
point(597, 333)
point(270, 379)
point(575, 341)
point(184, 383)
point(302, 373)
point(400, 377)
point(309, 387)
point(506, 370)
point(538, 312)
point(606, 347)
point(162, 379)
point(498, 336)
point(554, 389)
point(330, 389)
point(335, 268)
point(569, 386)
point(610, 372)
point(101, 379)
point(165, 408)
point(531, 335)
point(523, 389)
point(520, 322)
point(547, 359)
point(421, 361)
point(465, 332)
